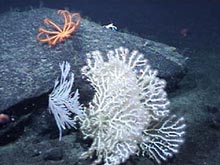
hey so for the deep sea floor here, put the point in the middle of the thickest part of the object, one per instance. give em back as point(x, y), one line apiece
point(194, 29)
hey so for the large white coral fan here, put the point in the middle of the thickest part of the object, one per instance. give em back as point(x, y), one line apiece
point(128, 114)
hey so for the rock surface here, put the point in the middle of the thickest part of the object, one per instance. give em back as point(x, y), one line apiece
point(28, 68)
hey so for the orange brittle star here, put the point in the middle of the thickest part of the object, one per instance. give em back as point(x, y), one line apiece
point(71, 22)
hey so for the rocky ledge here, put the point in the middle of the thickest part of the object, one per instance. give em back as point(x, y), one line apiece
point(28, 68)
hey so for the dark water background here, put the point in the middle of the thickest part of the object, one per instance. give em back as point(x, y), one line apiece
point(155, 19)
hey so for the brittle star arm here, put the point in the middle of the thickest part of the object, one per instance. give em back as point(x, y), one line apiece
point(49, 22)
point(73, 25)
point(47, 39)
point(66, 18)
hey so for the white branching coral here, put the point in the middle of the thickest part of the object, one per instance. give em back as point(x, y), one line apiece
point(129, 112)
point(62, 102)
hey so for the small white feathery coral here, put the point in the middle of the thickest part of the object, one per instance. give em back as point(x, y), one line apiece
point(129, 112)
point(62, 102)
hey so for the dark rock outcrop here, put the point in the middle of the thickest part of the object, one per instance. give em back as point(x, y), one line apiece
point(28, 68)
